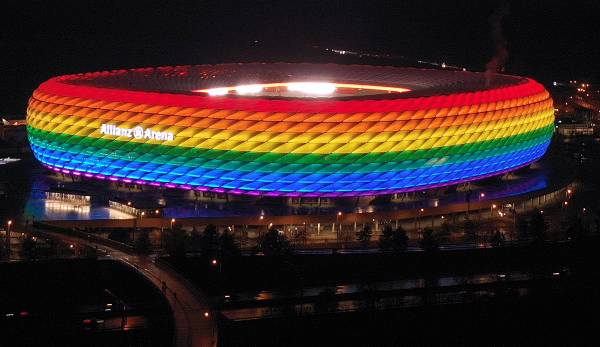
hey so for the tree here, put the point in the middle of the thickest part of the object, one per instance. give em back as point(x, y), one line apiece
point(497, 239)
point(29, 248)
point(142, 244)
point(385, 240)
point(522, 227)
point(214, 245)
point(228, 247)
point(394, 240)
point(345, 236)
point(364, 236)
point(49, 249)
point(175, 243)
point(209, 242)
point(273, 243)
point(446, 229)
point(537, 226)
point(429, 241)
point(575, 229)
point(195, 239)
point(301, 236)
point(470, 229)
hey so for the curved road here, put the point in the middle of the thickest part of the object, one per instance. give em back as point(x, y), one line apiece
point(194, 323)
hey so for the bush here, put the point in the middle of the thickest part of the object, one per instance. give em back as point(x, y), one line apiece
point(537, 226)
point(394, 240)
point(497, 239)
point(29, 248)
point(429, 241)
point(175, 243)
point(273, 243)
point(364, 236)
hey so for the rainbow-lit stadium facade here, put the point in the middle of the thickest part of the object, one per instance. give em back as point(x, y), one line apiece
point(259, 129)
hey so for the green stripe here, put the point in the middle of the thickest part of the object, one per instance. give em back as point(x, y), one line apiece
point(124, 148)
point(193, 157)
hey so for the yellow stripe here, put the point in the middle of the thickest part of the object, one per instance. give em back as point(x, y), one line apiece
point(307, 142)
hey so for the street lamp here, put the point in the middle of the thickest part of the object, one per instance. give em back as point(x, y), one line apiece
point(9, 223)
point(172, 221)
point(421, 210)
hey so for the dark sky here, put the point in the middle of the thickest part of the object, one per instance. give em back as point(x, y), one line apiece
point(40, 39)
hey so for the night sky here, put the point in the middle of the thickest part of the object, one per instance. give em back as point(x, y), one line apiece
point(547, 40)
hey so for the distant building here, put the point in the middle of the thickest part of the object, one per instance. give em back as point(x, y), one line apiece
point(14, 131)
point(13, 134)
point(576, 129)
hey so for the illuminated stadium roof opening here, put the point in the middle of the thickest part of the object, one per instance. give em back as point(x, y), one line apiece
point(289, 129)
point(302, 90)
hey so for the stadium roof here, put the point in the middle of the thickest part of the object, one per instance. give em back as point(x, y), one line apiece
point(190, 79)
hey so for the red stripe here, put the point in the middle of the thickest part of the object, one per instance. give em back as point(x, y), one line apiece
point(56, 86)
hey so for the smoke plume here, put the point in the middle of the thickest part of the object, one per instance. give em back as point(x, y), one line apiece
point(496, 64)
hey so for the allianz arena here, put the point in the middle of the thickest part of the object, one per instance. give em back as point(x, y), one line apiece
point(289, 129)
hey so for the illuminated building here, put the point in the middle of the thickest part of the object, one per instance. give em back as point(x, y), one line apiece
point(289, 129)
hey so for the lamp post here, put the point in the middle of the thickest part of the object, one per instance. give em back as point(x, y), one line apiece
point(141, 216)
point(339, 231)
point(9, 223)
point(468, 199)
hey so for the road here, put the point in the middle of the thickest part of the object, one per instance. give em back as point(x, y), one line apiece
point(194, 322)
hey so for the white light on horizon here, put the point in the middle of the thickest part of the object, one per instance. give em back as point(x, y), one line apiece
point(217, 91)
point(316, 88)
point(249, 89)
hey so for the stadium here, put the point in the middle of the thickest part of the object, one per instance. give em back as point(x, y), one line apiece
point(280, 129)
